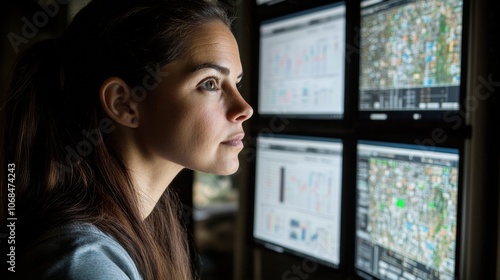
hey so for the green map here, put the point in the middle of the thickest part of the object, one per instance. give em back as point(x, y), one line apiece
point(413, 210)
point(412, 45)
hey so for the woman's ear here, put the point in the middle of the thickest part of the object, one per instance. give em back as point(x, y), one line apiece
point(117, 102)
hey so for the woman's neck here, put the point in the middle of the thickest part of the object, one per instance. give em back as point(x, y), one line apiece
point(149, 173)
point(151, 179)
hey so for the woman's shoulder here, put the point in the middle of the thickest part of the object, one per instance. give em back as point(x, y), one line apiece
point(78, 251)
point(77, 233)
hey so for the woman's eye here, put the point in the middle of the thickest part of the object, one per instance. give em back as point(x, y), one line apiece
point(210, 85)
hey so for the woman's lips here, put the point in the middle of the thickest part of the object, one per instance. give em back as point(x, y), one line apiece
point(235, 141)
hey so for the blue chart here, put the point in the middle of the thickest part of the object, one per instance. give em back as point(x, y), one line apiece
point(313, 95)
point(303, 60)
point(305, 232)
point(274, 222)
point(307, 189)
point(300, 231)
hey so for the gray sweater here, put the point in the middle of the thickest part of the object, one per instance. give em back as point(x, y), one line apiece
point(77, 252)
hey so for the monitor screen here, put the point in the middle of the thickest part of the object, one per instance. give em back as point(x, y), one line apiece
point(298, 196)
point(407, 207)
point(301, 69)
point(410, 58)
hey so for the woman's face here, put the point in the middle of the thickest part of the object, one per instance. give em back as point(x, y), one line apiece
point(194, 117)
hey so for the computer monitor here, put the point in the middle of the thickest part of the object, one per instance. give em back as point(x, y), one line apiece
point(407, 208)
point(301, 64)
point(298, 196)
point(410, 59)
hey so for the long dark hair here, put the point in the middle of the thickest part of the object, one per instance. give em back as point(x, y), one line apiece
point(58, 136)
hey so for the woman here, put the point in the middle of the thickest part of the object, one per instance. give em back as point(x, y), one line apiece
point(102, 119)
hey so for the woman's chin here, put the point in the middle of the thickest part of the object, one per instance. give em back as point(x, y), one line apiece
point(227, 168)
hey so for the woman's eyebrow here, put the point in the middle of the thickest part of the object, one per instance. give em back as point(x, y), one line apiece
point(221, 69)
